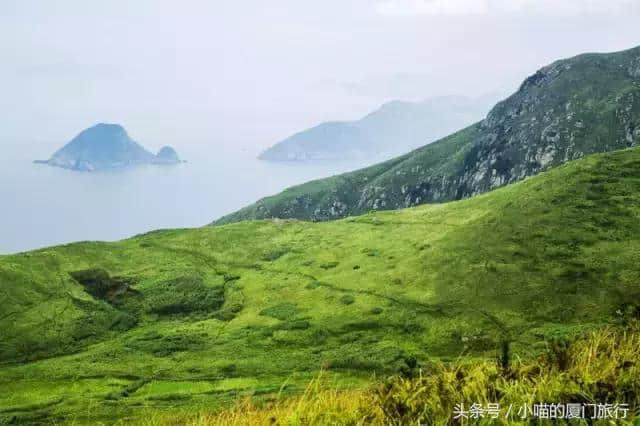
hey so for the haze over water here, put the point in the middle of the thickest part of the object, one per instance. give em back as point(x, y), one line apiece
point(43, 206)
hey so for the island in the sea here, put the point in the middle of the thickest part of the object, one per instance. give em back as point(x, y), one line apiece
point(107, 146)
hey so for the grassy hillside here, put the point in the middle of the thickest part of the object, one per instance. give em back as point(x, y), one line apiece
point(569, 109)
point(187, 320)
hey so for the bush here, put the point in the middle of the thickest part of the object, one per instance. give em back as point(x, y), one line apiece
point(228, 370)
point(347, 299)
point(371, 252)
point(356, 363)
point(294, 325)
point(275, 253)
point(329, 265)
point(319, 336)
point(410, 367)
point(361, 325)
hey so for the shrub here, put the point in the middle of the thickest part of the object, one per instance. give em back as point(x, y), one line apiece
point(329, 265)
point(228, 278)
point(228, 370)
point(410, 367)
point(319, 336)
point(282, 311)
point(356, 363)
point(347, 299)
point(371, 252)
point(361, 325)
point(275, 253)
point(295, 325)
point(505, 355)
point(124, 321)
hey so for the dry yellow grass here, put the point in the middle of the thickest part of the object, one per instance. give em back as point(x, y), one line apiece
point(603, 367)
point(318, 405)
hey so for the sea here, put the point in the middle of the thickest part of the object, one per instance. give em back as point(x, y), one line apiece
point(43, 206)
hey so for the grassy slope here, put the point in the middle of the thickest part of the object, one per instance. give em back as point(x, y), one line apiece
point(602, 366)
point(315, 199)
point(553, 255)
point(571, 108)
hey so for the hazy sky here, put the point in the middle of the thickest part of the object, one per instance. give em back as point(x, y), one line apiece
point(201, 75)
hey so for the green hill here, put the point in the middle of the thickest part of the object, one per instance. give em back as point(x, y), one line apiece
point(571, 108)
point(189, 319)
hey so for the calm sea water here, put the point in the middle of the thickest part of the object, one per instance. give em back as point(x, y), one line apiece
point(42, 206)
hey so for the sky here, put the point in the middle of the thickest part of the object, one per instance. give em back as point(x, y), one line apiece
point(206, 76)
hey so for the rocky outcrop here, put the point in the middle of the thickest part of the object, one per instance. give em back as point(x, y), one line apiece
point(167, 155)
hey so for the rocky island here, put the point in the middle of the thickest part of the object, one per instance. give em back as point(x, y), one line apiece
point(107, 146)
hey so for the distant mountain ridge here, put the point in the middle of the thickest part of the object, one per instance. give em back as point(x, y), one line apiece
point(393, 129)
point(107, 146)
point(571, 108)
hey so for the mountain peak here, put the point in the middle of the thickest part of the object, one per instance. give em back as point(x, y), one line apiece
point(107, 126)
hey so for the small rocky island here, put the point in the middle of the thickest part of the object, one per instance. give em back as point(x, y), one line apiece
point(107, 146)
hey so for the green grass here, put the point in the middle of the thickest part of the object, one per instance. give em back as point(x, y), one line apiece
point(191, 320)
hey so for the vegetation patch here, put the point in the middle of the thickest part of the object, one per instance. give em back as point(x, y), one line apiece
point(294, 325)
point(356, 363)
point(347, 299)
point(99, 284)
point(164, 345)
point(361, 325)
point(184, 295)
point(275, 253)
point(371, 252)
point(329, 265)
point(313, 285)
point(282, 311)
